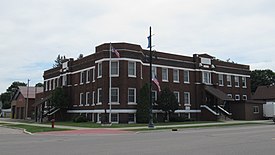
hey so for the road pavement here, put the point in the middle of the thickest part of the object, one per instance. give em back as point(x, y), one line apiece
point(235, 140)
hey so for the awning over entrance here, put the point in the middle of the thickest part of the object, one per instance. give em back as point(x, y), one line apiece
point(41, 101)
point(217, 93)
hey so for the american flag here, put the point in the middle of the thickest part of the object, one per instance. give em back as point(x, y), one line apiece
point(155, 80)
point(115, 51)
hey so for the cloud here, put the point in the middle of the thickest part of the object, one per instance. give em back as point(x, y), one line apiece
point(33, 33)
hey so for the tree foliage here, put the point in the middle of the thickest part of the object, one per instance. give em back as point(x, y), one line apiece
point(262, 78)
point(58, 61)
point(142, 114)
point(167, 102)
point(59, 99)
point(39, 85)
point(14, 86)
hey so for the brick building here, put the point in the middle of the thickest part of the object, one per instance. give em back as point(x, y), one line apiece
point(205, 87)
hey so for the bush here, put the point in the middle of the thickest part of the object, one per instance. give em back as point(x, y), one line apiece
point(79, 119)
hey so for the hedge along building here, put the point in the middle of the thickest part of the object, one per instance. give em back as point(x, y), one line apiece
point(204, 86)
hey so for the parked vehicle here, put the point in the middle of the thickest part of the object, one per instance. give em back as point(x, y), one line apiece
point(269, 110)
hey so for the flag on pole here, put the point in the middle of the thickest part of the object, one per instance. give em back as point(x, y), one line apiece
point(156, 82)
point(149, 41)
point(115, 51)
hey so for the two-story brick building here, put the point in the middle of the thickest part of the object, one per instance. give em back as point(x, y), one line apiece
point(205, 87)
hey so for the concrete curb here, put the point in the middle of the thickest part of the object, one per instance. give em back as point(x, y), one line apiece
point(24, 130)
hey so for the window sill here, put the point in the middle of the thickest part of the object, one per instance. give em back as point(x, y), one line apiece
point(114, 103)
point(132, 76)
point(132, 103)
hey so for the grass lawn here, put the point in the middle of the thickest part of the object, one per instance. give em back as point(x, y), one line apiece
point(34, 129)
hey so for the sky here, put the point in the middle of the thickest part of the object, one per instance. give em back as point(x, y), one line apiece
point(34, 32)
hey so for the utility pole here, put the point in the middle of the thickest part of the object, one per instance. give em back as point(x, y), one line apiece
point(151, 123)
point(27, 103)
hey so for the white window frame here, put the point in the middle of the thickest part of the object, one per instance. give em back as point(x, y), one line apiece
point(135, 95)
point(154, 95)
point(220, 76)
point(186, 94)
point(237, 97)
point(88, 76)
point(87, 98)
point(229, 81)
point(50, 85)
point(186, 73)
point(206, 77)
point(163, 74)
point(98, 90)
point(80, 99)
point(177, 95)
point(135, 69)
point(229, 95)
point(117, 69)
point(115, 102)
point(244, 82)
point(154, 71)
point(237, 81)
point(244, 97)
point(176, 78)
point(93, 71)
point(81, 77)
point(64, 80)
point(256, 109)
point(93, 99)
point(99, 70)
point(99, 117)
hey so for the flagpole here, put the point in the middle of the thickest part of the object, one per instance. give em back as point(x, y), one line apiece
point(151, 123)
point(110, 81)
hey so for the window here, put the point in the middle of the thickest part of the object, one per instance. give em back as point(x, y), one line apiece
point(54, 84)
point(82, 77)
point(131, 69)
point(206, 61)
point(176, 75)
point(228, 79)
point(237, 82)
point(99, 96)
point(50, 85)
point(114, 68)
point(206, 77)
point(165, 74)
point(186, 76)
point(131, 118)
point(88, 76)
point(256, 109)
point(93, 72)
point(229, 95)
point(82, 99)
point(88, 98)
point(154, 96)
point(46, 86)
point(244, 97)
point(131, 95)
point(114, 95)
point(114, 118)
point(220, 80)
point(93, 100)
point(244, 82)
point(186, 97)
point(141, 72)
point(177, 95)
point(154, 71)
point(237, 97)
point(99, 70)
point(64, 80)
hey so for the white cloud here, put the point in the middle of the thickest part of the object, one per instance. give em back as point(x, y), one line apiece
point(34, 32)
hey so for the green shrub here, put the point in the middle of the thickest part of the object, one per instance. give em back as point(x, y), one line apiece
point(79, 119)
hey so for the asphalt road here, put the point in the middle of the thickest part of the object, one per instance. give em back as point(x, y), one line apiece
point(244, 140)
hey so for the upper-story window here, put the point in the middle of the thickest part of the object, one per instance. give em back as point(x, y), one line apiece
point(206, 77)
point(164, 74)
point(244, 97)
point(131, 95)
point(82, 99)
point(99, 70)
point(237, 97)
point(99, 96)
point(132, 69)
point(115, 95)
point(88, 76)
point(177, 95)
point(82, 77)
point(220, 80)
point(186, 76)
point(64, 80)
point(237, 82)
point(228, 79)
point(244, 82)
point(176, 75)
point(88, 98)
point(93, 76)
point(154, 71)
point(114, 68)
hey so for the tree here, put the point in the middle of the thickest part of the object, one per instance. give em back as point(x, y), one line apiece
point(262, 78)
point(142, 114)
point(167, 102)
point(39, 85)
point(59, 100)
point(14, 86)
point(58, 61)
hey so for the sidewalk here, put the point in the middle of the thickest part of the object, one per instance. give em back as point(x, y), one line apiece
point(234, 122)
